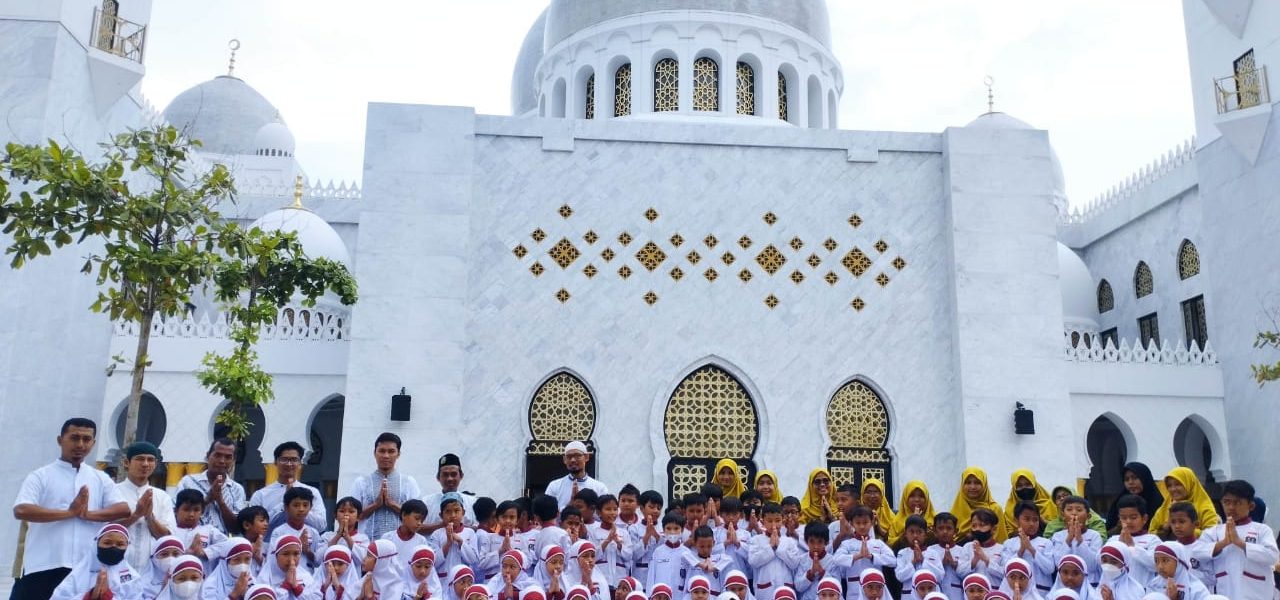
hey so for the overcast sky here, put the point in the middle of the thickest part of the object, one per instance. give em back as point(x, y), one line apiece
point(1108, 79)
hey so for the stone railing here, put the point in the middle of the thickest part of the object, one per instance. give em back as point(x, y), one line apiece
point(293, 323)
point(1081, 350)
point(342, 190)
point(1182, 154)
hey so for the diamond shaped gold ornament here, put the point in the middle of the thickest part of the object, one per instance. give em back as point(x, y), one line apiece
point(564, 253)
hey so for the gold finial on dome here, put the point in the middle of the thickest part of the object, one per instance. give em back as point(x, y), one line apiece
point(234, 45)
point(990, 82)
point(297, 192)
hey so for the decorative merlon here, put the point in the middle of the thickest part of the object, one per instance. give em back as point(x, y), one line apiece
point(1139, 180)
point(293, 323)
point(1167, 353)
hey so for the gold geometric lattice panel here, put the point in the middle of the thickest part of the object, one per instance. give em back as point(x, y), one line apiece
point(856, 418)
point(564, 253)
point(562, 409)
point(856, 262)
point(651, 256)
point(710, 415)
point(770, 259)
point(687, 479)
point(1188, 260)
point(841, 475)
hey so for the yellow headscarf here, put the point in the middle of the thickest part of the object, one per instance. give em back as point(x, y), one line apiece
point(884, 513)
point(963, 507)
point(776, 497)
point(1043, 500)
point(811, 505)
point(735, 490)
point(1208, 517)
point(904, 511)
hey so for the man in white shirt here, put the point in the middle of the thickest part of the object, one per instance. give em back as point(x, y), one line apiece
point(63, 502)
point(449, 475)
point(223, 496)
point(152, 509)
point(288, 460)
point(384, 490)
point(564, 489)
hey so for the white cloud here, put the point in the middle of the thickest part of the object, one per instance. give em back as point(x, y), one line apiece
point(1108, 79)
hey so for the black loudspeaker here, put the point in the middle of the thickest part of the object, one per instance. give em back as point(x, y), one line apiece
point(400, 406)
point(1024, 420)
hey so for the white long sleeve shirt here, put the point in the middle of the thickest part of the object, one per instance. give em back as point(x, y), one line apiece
point(140, 539)
point(1243, 574)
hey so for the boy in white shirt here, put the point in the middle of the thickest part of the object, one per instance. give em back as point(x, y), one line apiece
point(196, 538)
point(732, 535)
point(911, 557)
point(406, 537)
point(867, 552)
point(1183, 518)
point(1029, 546)
point(646, 534)
point(297, 506)
point(705, 560)
point(773, 555)
point(819, 564)
point(613, 542)
point(666, 561)
point(982, 554)
point(1243, 552)
point(1134, 517)
point(1076, 537)
point(453, 540)
point(943, 557)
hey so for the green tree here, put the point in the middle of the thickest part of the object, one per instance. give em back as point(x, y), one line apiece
point(153, 235)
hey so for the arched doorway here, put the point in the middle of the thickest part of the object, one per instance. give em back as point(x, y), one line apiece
point(858, 426)
point(249, 470)
point(152, 424)
point(1107, 453)
point(325, 435)
point(562, 411)
point(1192, 449)
point(710, 416)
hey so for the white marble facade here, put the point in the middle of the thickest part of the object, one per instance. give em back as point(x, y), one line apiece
point(973, 319)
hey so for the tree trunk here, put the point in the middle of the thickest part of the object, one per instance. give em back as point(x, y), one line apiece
point(139, 371)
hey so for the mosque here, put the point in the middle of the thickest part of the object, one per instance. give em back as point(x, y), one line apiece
point(671, 251)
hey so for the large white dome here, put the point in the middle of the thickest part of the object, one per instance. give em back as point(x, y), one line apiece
point(224, 113)
point(524, 88)
point(999, 120)
point(274, 139)
point(317, 237)
point(567, 17)
point(1079, 299)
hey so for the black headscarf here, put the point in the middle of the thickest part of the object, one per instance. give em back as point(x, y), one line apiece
point(1150, 492)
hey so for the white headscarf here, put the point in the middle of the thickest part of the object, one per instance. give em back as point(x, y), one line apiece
point(1015, 563)
point(184, 563)
point(123, 580)
point(422, 552)
point(349, 581)
point(221, 581)
point(1189, 585)
point(158, 572)
point(388, 575)
point(272, 575)
point(523, 581)
point(1123, 587)
point(1086, 591)
point(454, 573)
point(540, 572)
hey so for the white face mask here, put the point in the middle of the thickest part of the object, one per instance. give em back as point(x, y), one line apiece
point(186, 589)
point(673, 538)
point(1110, 571)
point(166, 563)
point(238, 570)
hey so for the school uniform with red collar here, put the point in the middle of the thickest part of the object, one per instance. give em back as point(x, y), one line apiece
point(950, 582)
point(1242, 574)
point(992, 567)
point(1043, 561)
point(774, 567)
point(642, 551)
point(666, 566)
point(881, 556)
point(835, 566)
point(695, 566)
point(612, 558)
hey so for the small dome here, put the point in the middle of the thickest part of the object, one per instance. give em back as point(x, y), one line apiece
point(567, 17)
point(999, 120)
point(274, 139)
point(524, 90)
point(224, 113)
point(1079, 293)
point(318, 238)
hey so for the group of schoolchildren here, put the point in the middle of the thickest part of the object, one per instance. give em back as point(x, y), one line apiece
point(726, 541)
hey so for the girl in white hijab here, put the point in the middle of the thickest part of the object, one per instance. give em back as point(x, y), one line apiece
point(1173, 573)
point(341, 578)
point(164, 552)
point(1073, 575)
point(385, 579)
point(1020, 580)
point(461, 578)
point(549, 568)
point(103, 572)
point(284, 572)
point(1116, 583)
point(420, 579)
point(510, 574)
point(186, 578)
point(237, 564)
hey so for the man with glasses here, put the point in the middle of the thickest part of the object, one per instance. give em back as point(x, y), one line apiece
point(288, 461)
point(567, 487)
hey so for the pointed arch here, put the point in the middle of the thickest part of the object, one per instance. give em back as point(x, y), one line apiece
point(1106, 297)
point(1144, 283)
point(710, 416)
point(857, 422)
point(666, 85)
point(1188, 260)
point(562, 410)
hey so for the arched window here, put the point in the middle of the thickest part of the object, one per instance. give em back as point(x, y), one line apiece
point(1143, 283)
point(1188, 260)
point(710, 417)
point(746, 89)
point(784, 113)
point(562, 411)
point(589, 111)
point(622, 91)
point(666, 86)
point(706, 84)
point(1106, 298)
point(858, 425)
